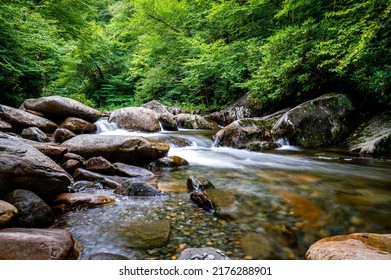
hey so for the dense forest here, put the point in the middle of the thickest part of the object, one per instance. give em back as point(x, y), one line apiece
point(198, 54)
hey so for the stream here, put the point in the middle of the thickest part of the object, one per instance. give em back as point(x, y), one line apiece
point(276, 203)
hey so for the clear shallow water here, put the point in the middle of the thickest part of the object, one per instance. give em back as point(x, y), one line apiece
point(315, 193)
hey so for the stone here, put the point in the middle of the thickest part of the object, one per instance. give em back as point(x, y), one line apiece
point(5, 126)
point(167, 119)
point(243, 108)
point(326, 120)
point(106, 257)
point(35, 134)
point(32, 210)
point(36, 244)
point(62, 107)
point(71, 165)
point(100, 165)
point(133, 171)
point(193, 121)
point(357, 246)
point(62, 134)
point(198, 183)
point(67, 201)
point(125, 149)
point(7, 212)
point(256, 246)
point(23, 119)
point(136, 118)
point(251, 134)
point(145, 234)
point(23, 166)
point(204, 202)
point(372, 137)
point(223, 198)
point(170, 163)
point(78, 126)
point(82, 186)
point(133, 187)
point(207, 253)
point(283, 234)
point(108, 181)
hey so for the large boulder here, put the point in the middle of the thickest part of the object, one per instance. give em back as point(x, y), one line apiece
point(36, 244)
point(251, 134)
point(78, 126)
point(23, 166)
point(244, 108)
point(136, 118)
point(357, 246)
point(167, 120)
point(323, 121)
point(372, 137)
point(32, 210)
point(192, 121)
point(7, 212)
point(59, 107)
point(126, 149)
point(21, 119)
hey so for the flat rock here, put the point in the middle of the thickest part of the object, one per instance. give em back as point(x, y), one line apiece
point(357, 246)
point(125, 149)
point(62, 107)
point(7, 212)
point(36, 244)
point(133, 171)
point(67, 201)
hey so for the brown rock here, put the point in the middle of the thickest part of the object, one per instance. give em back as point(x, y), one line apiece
point(67, 201)
point(256, 246)
point(78, 126)
point(35, 134)
point(62, 134)
point(133, 171)
point(36, 244)
point(357, 246)
point(7, 212)
point(100, 165)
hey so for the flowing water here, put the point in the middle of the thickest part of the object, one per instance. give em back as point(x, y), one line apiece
point(275, 204)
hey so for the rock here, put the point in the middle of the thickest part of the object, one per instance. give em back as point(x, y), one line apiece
point(32, 210)
point(243, 108)
point(136, 118)
point(5, 126)
point(78, 126)
point(36, 244)
point(256, 246)
point(107, 181)
point(62, 107)
point(191, 121)
point(372, 137)
point(100, 165)
point(171, 163)
point(252, 134)
point(126, 149)
point(204, 202)
point(283, 234)
point(133, 171)
point(66, 201)
point(81, 186)
point(106, 257)
point(319, 122)
point(145, 234)
point(22, 119)
point(51, 150)
point(7, 212)
point(357, 246)
point(23, 166)
point(223, 198)
point(198, 183)
point(35, 134)
point(62, 134)
point(167, 120)
point(133, 187)
point(71, 165)
point(207, 253)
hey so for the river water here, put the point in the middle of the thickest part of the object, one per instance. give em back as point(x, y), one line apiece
point(275, 204)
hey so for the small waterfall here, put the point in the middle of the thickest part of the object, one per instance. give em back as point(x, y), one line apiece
point(283, 144)
point(104, 126)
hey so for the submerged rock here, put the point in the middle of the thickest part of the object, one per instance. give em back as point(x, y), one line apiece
point(207, 253)
point(23, 166)
point(198, 183)
point(372, 137)
point(32, 210)
point(170, 163)
point(204, 202)
point(36, 244)
point(60, 107)
point(323, 121)
point(133, 187)
point(126, 149)
point(136, 118)
point(357, 246)
point(106, 257)
point(7, 212)
point(256, 246)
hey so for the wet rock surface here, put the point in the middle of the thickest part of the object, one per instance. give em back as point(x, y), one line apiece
point(67, 201)
point(207, 253)
point(134, 187)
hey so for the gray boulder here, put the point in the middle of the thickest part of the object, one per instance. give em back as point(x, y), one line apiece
point(35, 134)
point(372, 137)
point(167, 119)
point(59, 107)
point(136, 118)
point(126, 149)
point(193, 121)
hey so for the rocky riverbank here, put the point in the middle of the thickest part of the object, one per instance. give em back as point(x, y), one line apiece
point(49, 152)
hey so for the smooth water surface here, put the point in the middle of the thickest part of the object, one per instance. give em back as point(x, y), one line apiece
point(267, 200)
